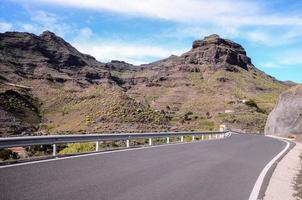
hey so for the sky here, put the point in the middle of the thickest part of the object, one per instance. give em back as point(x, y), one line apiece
point(140, 32)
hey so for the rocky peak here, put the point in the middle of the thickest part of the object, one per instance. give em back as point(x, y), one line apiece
point(29, 55)
point(45, 49)
point(57, 42)
point(117, 65)
point(215, 39)
point(47, 35)
point(218, 53)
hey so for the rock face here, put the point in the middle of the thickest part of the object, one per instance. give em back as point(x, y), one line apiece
point(210, 54)
point(286, 118)
point(213, 50)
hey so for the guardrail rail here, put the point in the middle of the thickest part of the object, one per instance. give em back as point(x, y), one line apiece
point(66, 139)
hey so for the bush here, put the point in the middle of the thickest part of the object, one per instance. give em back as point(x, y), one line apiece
point(253, 104)
point(187, 116)
point(78, 148)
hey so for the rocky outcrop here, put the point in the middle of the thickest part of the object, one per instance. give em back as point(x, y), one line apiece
point(286, 118)
point(121, 66)
point(222, 53)
point(210, 54)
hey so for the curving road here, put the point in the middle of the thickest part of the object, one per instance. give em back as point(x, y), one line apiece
point(208, 170)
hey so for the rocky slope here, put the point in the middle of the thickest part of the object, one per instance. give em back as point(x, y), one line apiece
point(286, 118)
point(213, 83)
point(47, 86)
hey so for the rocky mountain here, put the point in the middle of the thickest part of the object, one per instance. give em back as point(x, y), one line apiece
point(47, 86)
point(213, 83)
point(25, 55)
point(286, 118)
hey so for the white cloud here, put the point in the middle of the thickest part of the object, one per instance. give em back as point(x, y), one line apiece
point(259, 37)
point(85, 33)
point(272, 37)
point(4, 26)
point(269, 65)
point(230, 12)
point(284, 59)
point(29, 28)
point(292, 58)
point(41, 21)
point(177, 10)
point(43, 17)
point(135, 54)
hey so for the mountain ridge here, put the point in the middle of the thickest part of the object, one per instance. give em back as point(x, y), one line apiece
point(73, 92)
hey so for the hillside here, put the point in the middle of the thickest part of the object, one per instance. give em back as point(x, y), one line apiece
point(47, 86)
point(214, 83)
point(50, 87)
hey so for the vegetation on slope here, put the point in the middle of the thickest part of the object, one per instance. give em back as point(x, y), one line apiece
point(213, 98)
point(97, 108)
point(19, 112)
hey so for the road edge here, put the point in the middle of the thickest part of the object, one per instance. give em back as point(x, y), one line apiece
point(282, 184)
point(262, 181)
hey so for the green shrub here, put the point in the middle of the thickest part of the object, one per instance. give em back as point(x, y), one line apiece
point(78, 148)
point(253, 104)
point(187, 116)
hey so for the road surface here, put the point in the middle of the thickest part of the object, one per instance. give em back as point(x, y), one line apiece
point(224, 169)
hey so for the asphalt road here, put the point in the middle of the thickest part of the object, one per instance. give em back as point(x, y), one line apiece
point(209, 170)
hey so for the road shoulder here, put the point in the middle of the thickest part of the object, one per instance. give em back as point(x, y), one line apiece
point(282, 183)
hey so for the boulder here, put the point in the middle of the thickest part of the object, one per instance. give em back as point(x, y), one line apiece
point(286, 118)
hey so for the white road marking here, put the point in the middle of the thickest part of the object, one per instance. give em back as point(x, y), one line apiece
point(105, 152)
point(256, 190)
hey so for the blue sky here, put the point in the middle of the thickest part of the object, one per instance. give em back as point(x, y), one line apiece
point(139, 31)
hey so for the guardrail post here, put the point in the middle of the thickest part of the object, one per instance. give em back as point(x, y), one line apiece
point(168, 140)
point(210, 137)
point(97, 144)
point(193, 138)
point(150, 141)
point(54, 149)
point(182, 138)
point(127, 143)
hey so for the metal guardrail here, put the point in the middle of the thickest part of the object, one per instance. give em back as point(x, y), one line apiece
point(65, 139)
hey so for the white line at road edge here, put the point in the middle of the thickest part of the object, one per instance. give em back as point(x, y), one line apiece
point(256, 190)
point(106, 152)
